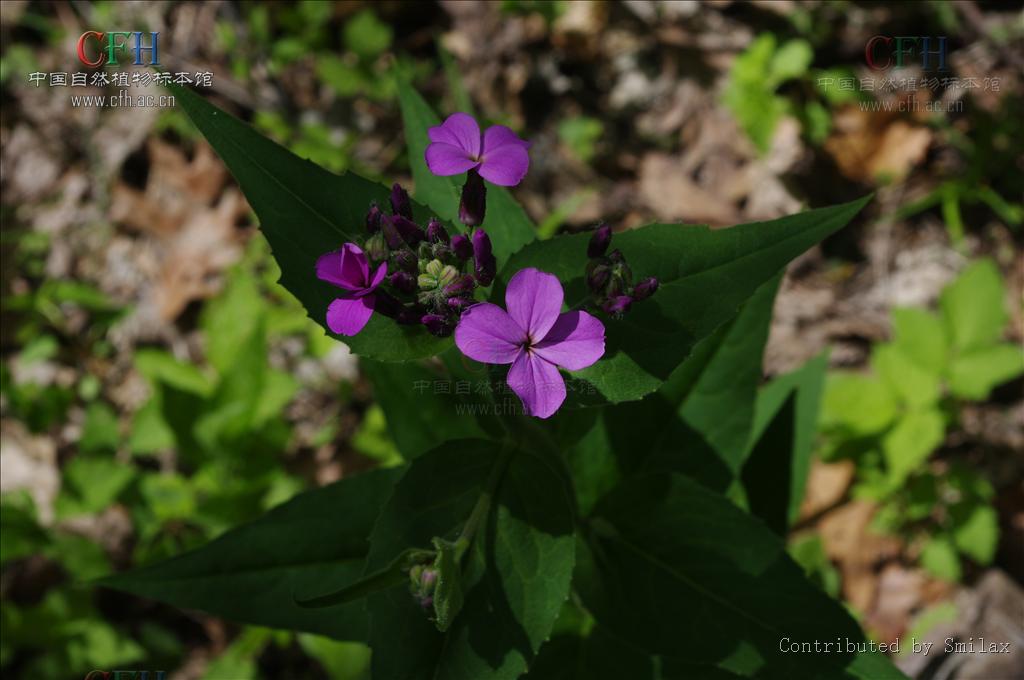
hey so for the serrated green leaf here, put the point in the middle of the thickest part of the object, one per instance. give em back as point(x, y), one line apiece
point(705, 276)
point(974, 306)
point(306, 211)
point(916, 386)
point(515, 576)
point(973, 374)
point(921, 336)
point(911, 440)
point(506, 223)
point(253, 573)
point(678, 570)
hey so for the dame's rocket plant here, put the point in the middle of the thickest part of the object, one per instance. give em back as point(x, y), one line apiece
point(430, 278)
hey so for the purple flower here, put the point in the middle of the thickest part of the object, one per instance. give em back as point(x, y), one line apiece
point(534, 336)
point(457, 146)
point(461, 246)
point(349, 270)
point(599, 241)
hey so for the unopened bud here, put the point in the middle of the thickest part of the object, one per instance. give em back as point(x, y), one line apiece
point(409, 230)
point(597, 277)
point(599, 241)
point(473, 204)
point(385, 303)
point(403, 282)
point(616, 256)
point(618, 305)
point(373, 219)
point(645, 289)
point(463, 285)
point(391, 234)
point(436, 233)
point(400, 203)
point(437, 325)
point(461, 246)
point(376, 247)
point(405, 260)
point(460, 303)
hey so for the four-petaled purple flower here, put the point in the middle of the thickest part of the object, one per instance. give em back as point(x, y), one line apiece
point(457, 146)
point(349, 270)
point(535, 336)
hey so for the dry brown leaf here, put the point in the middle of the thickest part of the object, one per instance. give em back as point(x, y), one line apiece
point(868, 146)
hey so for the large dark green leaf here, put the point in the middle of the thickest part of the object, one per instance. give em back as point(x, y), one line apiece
point(779, 454)
point(705, 276)
point(678, 570)
point(515, 576)
point(506, 222)
point(429, 403)
point(315, 543)
point(306, 211)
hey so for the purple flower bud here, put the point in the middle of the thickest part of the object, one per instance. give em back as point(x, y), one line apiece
point(391, 235)
point(460, 303)
point(410, 231)
point(599, 241)
point(461, 246)
point(436, 232)
point(597, 278)
point(484, 264)
point(616, 256)
point(461, 286)
point(403, 282)
point(429, 577)
point(645, 289)
point(373, 219)
point(617, 306)
point(473, 204)
point(406, 261)
point(400, 203)
point(437, 325)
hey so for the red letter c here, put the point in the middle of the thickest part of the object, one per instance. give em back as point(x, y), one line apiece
point(869, 53)
point(81, 49)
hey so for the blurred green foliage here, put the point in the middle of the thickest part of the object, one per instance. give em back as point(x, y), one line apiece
point(891, 420)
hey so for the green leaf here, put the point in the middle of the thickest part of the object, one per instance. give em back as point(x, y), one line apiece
point(94, 484)
point(448, 595)
point(160, 366)
point(506, 223)
point(781, 443)
point(972, 375)
point(909, 443)
point(306, 211)
point(425, 404)
point(515, 574)
point(977, 533)
point(940, 559)
point(100, 432)
point(916, 386)
point(253, 573)
point(705, 276)
point(678, 570)
point(366, 35)
point(920, 336)
point(857, 404)
point(597, 655)
point(791, 60)
point(974, 306)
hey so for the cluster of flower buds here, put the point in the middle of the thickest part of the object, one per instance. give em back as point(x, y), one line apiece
point(422, 581)
point(610, 279)
point(429, 271)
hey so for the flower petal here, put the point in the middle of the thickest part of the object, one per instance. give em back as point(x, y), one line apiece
point(499, 135)
point(488, 334)
point(506, 165)
point(348, 316)
point(354, 266)
point(459, 130)
point(534, 299)
point(375, 280)
point(574, 342)
point(538, 383)
point(445, 159)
